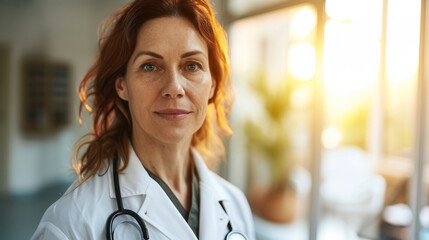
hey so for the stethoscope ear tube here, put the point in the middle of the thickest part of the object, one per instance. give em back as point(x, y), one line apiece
point(116, 183)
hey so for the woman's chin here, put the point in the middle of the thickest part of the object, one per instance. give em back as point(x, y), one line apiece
point(172, 139)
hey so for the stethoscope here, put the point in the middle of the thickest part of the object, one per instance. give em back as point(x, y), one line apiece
point(141, 226)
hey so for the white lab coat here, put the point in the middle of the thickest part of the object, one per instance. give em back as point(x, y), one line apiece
point(82, 213)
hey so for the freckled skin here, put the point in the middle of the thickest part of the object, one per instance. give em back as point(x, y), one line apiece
point(168, 82)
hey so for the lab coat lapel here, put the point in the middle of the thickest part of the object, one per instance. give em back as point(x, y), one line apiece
point(158, 210)
point(213, 219)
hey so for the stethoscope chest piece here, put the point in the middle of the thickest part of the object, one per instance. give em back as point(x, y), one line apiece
point(234, 235)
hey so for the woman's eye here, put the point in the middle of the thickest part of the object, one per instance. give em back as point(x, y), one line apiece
point(149, 67)
point(192, 67)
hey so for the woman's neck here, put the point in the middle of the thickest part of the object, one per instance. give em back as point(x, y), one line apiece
point(173, 163)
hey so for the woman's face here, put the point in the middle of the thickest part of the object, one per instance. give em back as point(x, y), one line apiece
point(168, 82)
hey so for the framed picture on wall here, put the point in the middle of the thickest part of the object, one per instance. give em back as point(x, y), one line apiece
point(45, 91)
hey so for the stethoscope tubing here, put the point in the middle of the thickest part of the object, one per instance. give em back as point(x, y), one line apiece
point(121, 210)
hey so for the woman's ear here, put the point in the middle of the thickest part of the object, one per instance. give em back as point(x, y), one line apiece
point(121, 88)
point(212, 89)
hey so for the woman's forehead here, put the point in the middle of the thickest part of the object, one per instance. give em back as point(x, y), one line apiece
point(169, 35)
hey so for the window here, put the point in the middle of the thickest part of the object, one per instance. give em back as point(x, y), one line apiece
point(370, 140)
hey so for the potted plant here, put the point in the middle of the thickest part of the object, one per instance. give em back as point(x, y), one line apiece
point(268, 139)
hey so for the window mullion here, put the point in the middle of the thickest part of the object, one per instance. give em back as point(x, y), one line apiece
point(416, 195)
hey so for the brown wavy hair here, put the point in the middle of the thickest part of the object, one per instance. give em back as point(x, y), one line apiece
point(111, 119)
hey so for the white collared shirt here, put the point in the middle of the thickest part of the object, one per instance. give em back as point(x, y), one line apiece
point(82, 213)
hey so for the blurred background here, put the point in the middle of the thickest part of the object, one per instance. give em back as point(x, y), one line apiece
point(330, 119)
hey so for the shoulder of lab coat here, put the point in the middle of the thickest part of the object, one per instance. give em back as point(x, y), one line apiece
point(70, 216)
point(81, 213)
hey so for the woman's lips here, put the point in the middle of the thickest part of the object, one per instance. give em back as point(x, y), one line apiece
point(173, 114)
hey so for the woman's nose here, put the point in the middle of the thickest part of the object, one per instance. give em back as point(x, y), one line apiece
point(173, 87)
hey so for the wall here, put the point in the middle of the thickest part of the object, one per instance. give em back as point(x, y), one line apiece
point(64, 31)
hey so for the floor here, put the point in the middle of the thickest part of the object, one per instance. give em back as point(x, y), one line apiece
point(20, 215)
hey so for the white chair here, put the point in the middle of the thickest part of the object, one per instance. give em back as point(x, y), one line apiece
point(350, 189)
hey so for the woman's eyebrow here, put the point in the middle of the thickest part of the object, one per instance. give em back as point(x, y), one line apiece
point(155, 55)
point(192, 53)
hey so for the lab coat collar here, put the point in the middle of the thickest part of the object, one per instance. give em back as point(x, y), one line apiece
point(207, 177)
point(134, 181)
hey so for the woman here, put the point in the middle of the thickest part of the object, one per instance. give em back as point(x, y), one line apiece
point(160, 93)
